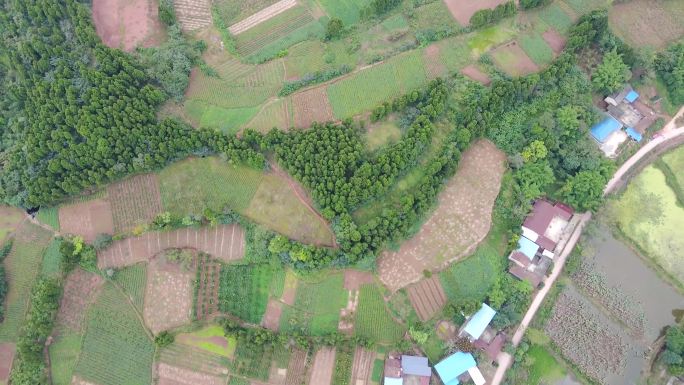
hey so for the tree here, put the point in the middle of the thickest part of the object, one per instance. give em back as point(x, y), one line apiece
point(534, 151)
point(527, 4)
point(584, 190)
point(533, 178)
point(163, 339)
point(611, 74)
point(166, 12)
point(334, 29)
point(670, 68)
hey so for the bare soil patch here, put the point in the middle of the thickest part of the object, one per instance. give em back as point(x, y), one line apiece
point(322, 370)
point(168, 295)
point(271, 319)
point(555, 40)
point(348, 313)
point(296, 368)
point(80, 290)
point(362, 366)
point(261, 16)
point(513, 60)
point(173, 375)
point(463, 10)
point(433, 64)
point(127, 24)
point(134, 201)
point(427, 297)
point(225, 242)
point(460, 221)
point(87, 219)
point(7, 351)
point(79, 381)
point(193, 14)
point(473, 72)
point(311, 106)
point(353, 279)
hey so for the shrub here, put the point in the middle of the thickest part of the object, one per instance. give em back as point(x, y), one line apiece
point(314, 78)
point(334, 29)
point(527, 4)
point(166, 12)
point(489, 16)
point(163, 339)
point(670, 68)
point(102, 241)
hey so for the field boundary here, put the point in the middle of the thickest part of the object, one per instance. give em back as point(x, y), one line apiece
point(261, 16)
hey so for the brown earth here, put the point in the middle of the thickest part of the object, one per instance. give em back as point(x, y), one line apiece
point(290, 291)
point(473, 72)
point(134, 201)
point(80, 290)
point(194, 359)
point(271, 319)
point(647, 23)
point(7, 351)
point(261, 16)
point(348, 313)
point(225, 242)
point(173, 375)
point(555, 40)
point(127, 24)
point(323, 366)
point(459, 223)
point(193, 14)
point(427, 297)
point(87, 219)
point(168, 295)
point(463, 10)
point(296, 368)
point(433, 65)
point(362, 366)
point(311, 106)
point(75, 380)
point(353, 279)
point(513, 60)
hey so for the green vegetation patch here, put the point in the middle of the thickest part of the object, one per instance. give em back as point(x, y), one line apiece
point(432, 16)
point(349, 11)
point(482, 40)
point(344, 359)
point(116, 348)
point(675, 162)
point(254, 360)
point(584, 6)
point(48, 216)
point(64, 352)
point(227, 120)
point(373, 319)
point(378, 368)
point(51, 259)
point(554, 16)
point(132, 280)
point(544, 368)
point(210, 339)
point(194, 184)
point(536, 48)
point(382, 134)
point(232, 11)
point(395, 22)
point(244, 290)
point(317, 306)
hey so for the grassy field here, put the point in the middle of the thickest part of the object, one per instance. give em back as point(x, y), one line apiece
point(584, 6)
point(210, 339)
point(116, 348)
point(9, 219)
point(48, 216)
point(227, 120)
point(555, 16)
point(536, 48)
point(648, 214)
point(244, 290)
point(382, 134)
point(317, 306)
point(51, 259)
point(373, 319)
point(544, 369)
point(64, 352)
point(675, 162)
point(132, 280)
point(272, 115)
point(644, 23)
point(232, 11)
point(345, 10)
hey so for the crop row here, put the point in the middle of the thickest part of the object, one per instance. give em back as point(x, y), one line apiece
point(373, 320)
point(132, 280)
point(244, 290)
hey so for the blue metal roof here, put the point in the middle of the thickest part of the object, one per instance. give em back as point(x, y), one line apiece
point(417, 366)
point(607, 126)
point(479, 321)
point(632, 96)
point(634, 134)
point(527, 247)
point(453, 366)
point(393, 381)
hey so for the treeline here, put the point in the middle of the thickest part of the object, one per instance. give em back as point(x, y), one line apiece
point(313, 78)
point(488, 16)
point(84, 114)
point(670, 68)
point(4, 252)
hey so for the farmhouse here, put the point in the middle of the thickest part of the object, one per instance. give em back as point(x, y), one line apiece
point(407, 370)
point(459, 367)
point(477, 324)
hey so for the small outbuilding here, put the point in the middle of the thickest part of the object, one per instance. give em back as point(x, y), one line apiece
point(458, 367)
point(477, 324)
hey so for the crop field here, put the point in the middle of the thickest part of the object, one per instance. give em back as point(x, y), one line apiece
point(476, 74)
point(378, 83)
point(173, 375)
point(323, 367)
point(461, 220)
point(536, 48)
point(254, 361)
point(126, 24)
point(674, 160)
point(232, 11)
point(132, 280)
point(545, 369)
point(7, 352)
point(210, 339)
point(10, 218)
point(48, 216)
point(316, 310)
point(462, 11)
point(194, 358)
point(584, 6)
point(311, 106)
point(244, 290)
point(362, 366)
point(51, 259)
point(207, 289)
point(275, 114)
point(586, 336)
point(64, 352)
point(344, 359)
point(555, 40)
point(190, 186)
point(513, 60)
point(305, 57)
point(134, 201)
point(80, 290)
point(193, 14)
point(346, 10)
point(22, 267)
point(427, 297)
point(555, 16)
point(373, 319)
point(225, 242)
point(116, 347)
point(87, 218)
point(648, 214)
point(168, 295)
point(227, 120)
point(644, 23)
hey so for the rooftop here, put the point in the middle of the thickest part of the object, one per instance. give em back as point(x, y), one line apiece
point(525, 275)
point(607, 126)
point(453, 366)
point(543, 221)
point(527, 248)
point(634, 134)
point(417, 366)
point(478, 322)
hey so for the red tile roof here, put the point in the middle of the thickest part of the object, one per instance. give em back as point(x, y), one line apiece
point(525, 275)
point(542, 214)
point(520, 258)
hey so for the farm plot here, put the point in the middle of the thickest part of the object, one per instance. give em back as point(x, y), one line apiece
point(296, 368)
point(210, 339)
point(644, 23)
point(323, 365)
point(346, 10)
point(207, 300)
point(377, 83)
point(225, 242)
point(52, 259)
point(7, 351)
point(261, 16)
point(344, 359)
point(275, 114)
point(127, 24)
point(232, 11)
point(463, 10)
point(271, 319)
point(312, 106)
point(461, 220)
point(172, 375)
point(48, 216)
point(244, 290)
point(227, 120)
point(255, 361)
point(373, 319)
point(168, 295)
point(22, 267)
point(64, 352)
point(475, 73)
point(513, 60)
point(116, 347)
point(433, 65)
point(87, 218)
point(362, 366)
point(132, 280)
point(674, 160)
point(555, 40)
point(195, 359)
point(193, 14)
point(10, 218)
point(80, 290)
point(427, 297)
point(316, 310)
point(536, 48)
point(587, 337)
point(555, 16)
point(134, 201)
